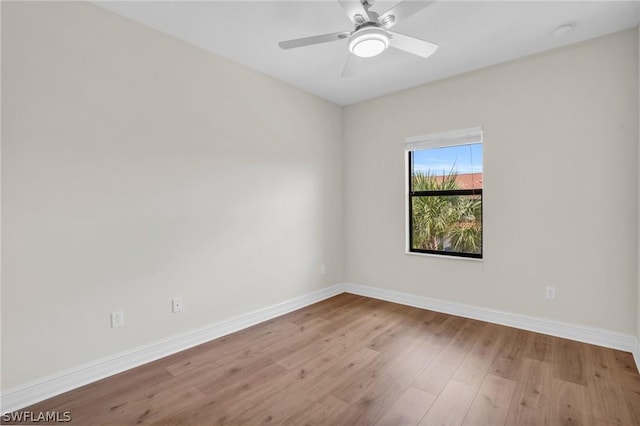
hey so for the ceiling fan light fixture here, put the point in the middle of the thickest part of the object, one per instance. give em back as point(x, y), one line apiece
point(369, 42)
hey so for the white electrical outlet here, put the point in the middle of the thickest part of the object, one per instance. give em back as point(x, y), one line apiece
point(176, 304)
point(117, 319)
point(550, 292)
point(323, 269)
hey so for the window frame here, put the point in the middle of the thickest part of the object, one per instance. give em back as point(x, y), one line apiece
point(435, 141)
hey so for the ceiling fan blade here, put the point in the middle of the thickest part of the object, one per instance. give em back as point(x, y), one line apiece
point(352, 65)
point(307, 41)
point(412, 45)
point(353, 9)
point(402, 11)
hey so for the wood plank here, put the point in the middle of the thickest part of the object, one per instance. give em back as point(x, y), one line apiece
point(92, 395)
point(232, 345)
point(607, 401)
point(346, 315)
point(329, 410)
point(569, 362)
point(492, 402)
point(409, 409)
point(441, 335)
point(436, 376)
point(601, 363)
point(275, 409)
point(477, 362)
point(625, 362)
point(632, 398)
point(349, 366)
point(277, 345)
point(229, 401)
point(451, 406)
point(570, 404)
point(323, 308)
point(398, 368)
point(530, 405)
point(344, 339)
point(151, 407)
point(510, 356)
point(373, 404)
point(540, 347)
point(415, 325)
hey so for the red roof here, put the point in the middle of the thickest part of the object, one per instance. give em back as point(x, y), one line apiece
point(469, 181)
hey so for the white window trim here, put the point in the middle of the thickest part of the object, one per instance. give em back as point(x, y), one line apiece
point(444, 139)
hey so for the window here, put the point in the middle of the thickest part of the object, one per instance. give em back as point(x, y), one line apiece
point(445, 193)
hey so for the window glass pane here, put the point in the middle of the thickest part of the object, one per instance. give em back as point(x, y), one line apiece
point(448, 168)
point(451, 223)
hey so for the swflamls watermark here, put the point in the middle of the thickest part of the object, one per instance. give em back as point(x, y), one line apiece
point(37, 416)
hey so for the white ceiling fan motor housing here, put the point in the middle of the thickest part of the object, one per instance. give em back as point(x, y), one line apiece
point(369, 41)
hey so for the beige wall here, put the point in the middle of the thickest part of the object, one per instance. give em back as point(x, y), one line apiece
point(560, 185)
point(137, 168)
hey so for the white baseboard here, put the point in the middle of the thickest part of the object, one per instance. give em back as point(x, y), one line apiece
point(609, 339)
point(39, 390)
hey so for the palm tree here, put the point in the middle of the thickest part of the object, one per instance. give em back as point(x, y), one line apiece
point(446, 222)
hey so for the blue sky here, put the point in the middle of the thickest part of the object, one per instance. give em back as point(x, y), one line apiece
point(463, 158)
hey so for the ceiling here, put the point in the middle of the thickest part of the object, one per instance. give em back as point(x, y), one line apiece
point(471, 35)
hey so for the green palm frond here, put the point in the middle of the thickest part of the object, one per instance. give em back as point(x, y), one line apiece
point(445, 222)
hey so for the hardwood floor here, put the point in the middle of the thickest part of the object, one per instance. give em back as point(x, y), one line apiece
point(351, 360)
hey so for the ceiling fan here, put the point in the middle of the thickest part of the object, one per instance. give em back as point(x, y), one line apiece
point(371, 35)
